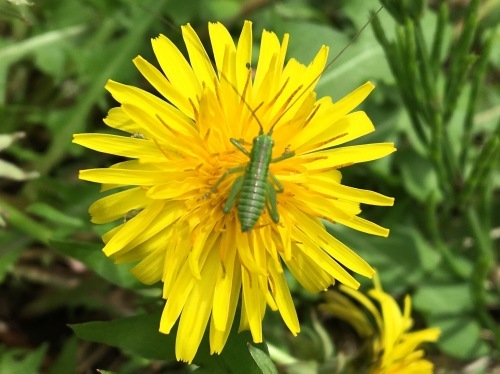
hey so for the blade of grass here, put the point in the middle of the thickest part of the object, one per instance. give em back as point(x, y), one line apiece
point(75, 120)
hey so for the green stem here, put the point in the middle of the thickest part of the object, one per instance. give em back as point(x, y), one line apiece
point(405, 71)
point(16, 51)
point(461, 60)
point(483, 165)
point(435, 234)
point(483, 266)
point(438, 38)
point(477, 83)
point(24, 223)
point(76, 119)
point(397, 58)
point(432, 107)
point(279, 356)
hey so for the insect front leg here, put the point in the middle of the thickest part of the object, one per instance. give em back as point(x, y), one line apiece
point(271, 201)
point(231, 199)
point(221, 179)
point(284, 156)
point(238, 145)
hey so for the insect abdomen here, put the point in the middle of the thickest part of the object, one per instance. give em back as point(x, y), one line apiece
point(252, 199)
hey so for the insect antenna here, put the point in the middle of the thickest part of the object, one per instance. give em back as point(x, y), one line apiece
point(242, 96)
point(248, 65)
point(292, 101)
point(295, 96)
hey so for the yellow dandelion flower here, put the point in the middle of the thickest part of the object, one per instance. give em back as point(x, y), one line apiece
point(181, 146)
point(394, 346)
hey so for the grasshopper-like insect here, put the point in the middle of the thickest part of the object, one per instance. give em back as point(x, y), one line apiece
point(256, 188)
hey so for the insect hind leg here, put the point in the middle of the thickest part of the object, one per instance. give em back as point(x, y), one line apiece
point(272, 202)
point(231, 199)
point(221, 179)
point(277, 183)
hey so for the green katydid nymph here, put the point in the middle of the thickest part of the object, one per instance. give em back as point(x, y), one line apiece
point(256, 188)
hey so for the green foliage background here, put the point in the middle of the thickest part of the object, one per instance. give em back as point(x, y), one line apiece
point(437, 71)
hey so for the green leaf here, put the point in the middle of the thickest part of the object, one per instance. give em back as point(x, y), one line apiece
point(53, 215)
point(6, 140)
point(139, 335)
point(435, 298)
point(327, 345)
point(419, 175)
point(220, 9)
point(460, 335)
point(77, 117)
point(9, 253)
point(263, 360)
point(11, 9)
point(363, 59)
point(91, 255)
point(16, 50)
point(12, 172)
point(66, 362)
point(20, 2)
point(23, 223)
point(402, 260)
point(21, 361)
point(51, 60)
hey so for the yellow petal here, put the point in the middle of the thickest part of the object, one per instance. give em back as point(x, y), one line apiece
point(119, 145)
point(366, 303)
point(393, 322)
point(162, 222)
point(222, 43)
point(175, 189)
point(181, 289)
point(149, 270)
point(352, 100)
point(228, 277)
point(133, 228)
point(218, 337)
point(244, 55)
point(324, 184)
point(155, 107)
point(117, 119)
point(265, 82)
point(163, 86)
point(176, 68)
point(254, 304)
point(306, 271)
point(314, 229)
point(124, 176)
point(117, 205)
point(324, 261)
point(364, 225)
point(200, 61)
point(196, 312)
point(203, 238)
point(352, 126)
point(344, 156)
point(284, 300)
point(342, 307)
point(144, 248)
